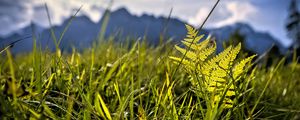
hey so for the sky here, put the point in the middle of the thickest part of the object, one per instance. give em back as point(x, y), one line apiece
point(262, 15)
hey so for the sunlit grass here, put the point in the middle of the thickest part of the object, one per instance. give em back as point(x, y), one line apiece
point(129, 81)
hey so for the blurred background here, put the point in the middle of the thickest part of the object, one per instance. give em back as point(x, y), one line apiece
point(260, 24)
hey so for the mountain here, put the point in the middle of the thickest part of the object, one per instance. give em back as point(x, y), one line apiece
point(257, 42)
point(82, 32)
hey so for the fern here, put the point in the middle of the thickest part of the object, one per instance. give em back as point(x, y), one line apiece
point(218, 73)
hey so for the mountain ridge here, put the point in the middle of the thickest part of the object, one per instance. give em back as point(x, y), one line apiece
point(82, 32)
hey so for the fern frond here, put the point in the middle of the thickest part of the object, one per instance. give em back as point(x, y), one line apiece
point(214, 71)
point(217, 69)
point(207, 52)
point(226, 62)
point(239, 68)
point(221, 55)
point(189, 54)
point(195, 39)
point(177, 59)
point(192, 32)
point(192, 45)
point(204, 43)
point(219, 73)
point(185, 62)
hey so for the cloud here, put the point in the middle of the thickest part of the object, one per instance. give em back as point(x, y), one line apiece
point(240, 12)
point(18, 14)
point(13, 16)
point(139, 7)
point(226, 13)
point(200, 16)
point(63, 9)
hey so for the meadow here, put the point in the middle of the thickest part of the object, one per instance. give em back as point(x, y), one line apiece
point(135, 80)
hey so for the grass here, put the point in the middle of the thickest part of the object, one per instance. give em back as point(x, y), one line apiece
point(130, 81)
point(134, 80)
